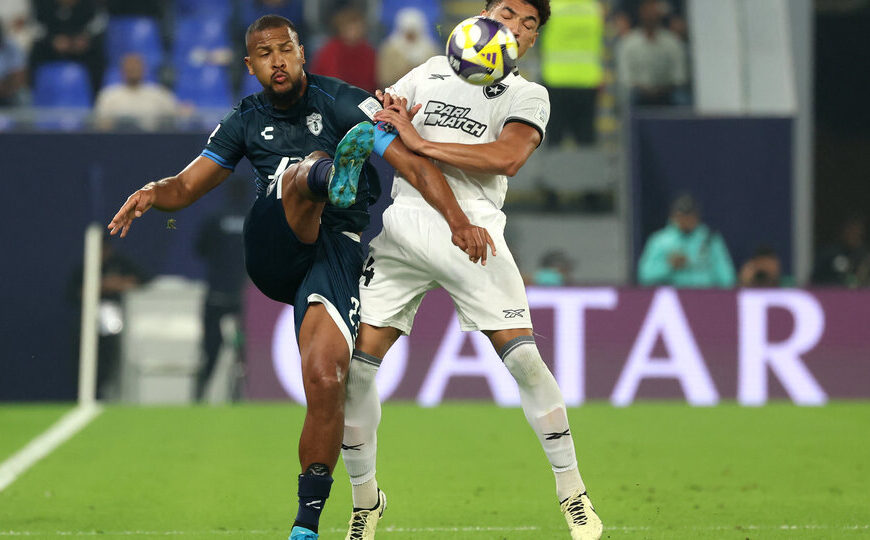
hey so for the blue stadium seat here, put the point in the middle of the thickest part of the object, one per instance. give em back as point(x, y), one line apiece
point(220, 9)
point(134, 34)
point(432, 10)
point(250, 85)
point(196, 35)
point(204, 86)
point(62, 84)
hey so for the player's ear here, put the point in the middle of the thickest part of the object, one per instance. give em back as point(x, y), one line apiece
point(248, 64)
point(302, 52)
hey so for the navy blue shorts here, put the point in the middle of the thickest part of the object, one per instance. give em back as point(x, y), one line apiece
point(290, 271)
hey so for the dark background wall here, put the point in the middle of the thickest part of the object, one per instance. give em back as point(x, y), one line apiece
point(52, 186)
point(739, 169)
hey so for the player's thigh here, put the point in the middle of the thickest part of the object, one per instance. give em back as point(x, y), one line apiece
point(333, 281)
point(395, 276)
point(491, 297)
point(276, 260)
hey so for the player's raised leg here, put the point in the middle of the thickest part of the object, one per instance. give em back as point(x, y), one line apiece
point(307, 186)
point(545, 411)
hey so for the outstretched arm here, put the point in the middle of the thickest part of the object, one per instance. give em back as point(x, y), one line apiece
point(170, 194)
point(430, 182)
point(506, 155)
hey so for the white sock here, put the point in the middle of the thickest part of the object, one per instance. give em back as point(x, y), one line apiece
point(361, 418)
point(545, 411)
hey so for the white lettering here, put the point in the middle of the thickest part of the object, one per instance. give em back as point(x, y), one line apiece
point(288, 363)
point(569, 332)
point(485, 363)
point(783, 358)
point(666, 319)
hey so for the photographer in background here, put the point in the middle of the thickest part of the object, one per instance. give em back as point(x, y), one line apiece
point(686, 253)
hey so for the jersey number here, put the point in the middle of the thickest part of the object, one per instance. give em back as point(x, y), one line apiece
point(353, 314)
point(369, 271)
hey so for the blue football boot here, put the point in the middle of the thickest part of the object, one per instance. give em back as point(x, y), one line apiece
point(301, 533)
point(350, 155)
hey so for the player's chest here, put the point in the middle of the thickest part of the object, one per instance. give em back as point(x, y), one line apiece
point(460, 110)
point(271, 139)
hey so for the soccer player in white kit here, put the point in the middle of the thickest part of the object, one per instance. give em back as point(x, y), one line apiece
point(478, 136)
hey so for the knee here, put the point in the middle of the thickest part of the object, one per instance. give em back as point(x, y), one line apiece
point(324, 377)
point(528, 371)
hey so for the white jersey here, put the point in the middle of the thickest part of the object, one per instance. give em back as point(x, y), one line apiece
point(455, 111)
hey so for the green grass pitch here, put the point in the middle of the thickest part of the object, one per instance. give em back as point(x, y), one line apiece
point(475, 471)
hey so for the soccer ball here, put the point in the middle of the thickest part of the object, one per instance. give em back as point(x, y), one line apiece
point(481, 51)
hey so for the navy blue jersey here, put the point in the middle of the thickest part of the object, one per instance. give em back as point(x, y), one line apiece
point(273, 139)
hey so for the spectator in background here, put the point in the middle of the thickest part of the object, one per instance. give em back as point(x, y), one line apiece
point(762, 270)
point(134, 102)
point(219, 244)
point(13, 73)
point(71, 30)
point(16, 18)
point(554, 270)
point(347, 55)
point(572, 68)
point(686, 253)
point(408, 46)
point(652, 66)
point(846, 262)
point(118, 274)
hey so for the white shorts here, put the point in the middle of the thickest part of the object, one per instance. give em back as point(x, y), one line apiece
point(414, 254)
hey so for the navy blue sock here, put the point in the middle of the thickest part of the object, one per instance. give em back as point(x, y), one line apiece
point(314, 488)
point(318, 176)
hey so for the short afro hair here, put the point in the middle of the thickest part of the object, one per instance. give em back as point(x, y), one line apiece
point(270, 21)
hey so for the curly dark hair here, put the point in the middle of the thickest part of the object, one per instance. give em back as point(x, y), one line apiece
point(543, 7)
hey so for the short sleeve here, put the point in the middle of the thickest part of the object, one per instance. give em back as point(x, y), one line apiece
point(226, 144)
point(531, 106)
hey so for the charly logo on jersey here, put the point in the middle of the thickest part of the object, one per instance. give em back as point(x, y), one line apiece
point(267, 133)
point(452, 116)
point(495, 90)
point(315, 123)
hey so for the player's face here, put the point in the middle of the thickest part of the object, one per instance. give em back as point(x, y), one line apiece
point(520, 18)
point(276, 58)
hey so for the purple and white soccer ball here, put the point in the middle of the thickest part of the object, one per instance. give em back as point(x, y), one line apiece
point(482, 51)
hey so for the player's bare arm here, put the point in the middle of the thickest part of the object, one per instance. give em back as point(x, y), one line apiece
point(506, 155)
point(169, 194)
point(430, 182)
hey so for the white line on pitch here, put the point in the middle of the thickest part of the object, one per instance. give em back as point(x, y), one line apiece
point(272, 532)
point(70, 424)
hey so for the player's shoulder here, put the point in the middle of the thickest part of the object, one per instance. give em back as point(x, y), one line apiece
point(526, 88)
point(246, 108)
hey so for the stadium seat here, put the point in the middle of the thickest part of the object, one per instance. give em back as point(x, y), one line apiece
point(204, 86)
point(220, 9)
point(195, 37)
point(134, 34)
point(62, 84)
point(250, 85)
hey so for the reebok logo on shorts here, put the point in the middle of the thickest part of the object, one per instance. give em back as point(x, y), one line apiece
point(513, 313)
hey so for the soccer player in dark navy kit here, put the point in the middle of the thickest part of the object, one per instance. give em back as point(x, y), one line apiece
point(302, 233)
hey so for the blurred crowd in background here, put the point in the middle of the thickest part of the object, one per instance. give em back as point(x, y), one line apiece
point(164, 64)
point(149, 65)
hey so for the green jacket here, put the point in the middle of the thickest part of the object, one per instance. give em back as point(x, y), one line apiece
point(708, 263)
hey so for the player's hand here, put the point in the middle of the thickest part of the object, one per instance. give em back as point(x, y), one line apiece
point(473, 240)
point(137, 204)
point(400, 119)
